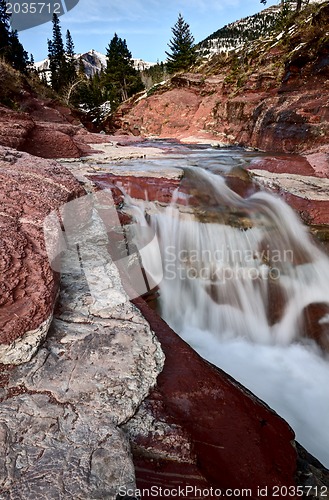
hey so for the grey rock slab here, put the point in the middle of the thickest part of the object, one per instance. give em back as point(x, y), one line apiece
point(51, 451)
point(61, 411)
point(304, 186)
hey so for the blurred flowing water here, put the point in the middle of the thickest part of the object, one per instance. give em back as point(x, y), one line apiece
point(239, 273)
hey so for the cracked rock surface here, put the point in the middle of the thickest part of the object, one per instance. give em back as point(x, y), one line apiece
point(32, 187)
point(61, 411)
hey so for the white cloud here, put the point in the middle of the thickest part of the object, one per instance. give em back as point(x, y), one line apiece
point(105, 10)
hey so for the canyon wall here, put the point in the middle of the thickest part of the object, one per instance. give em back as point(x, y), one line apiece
point(272, 95)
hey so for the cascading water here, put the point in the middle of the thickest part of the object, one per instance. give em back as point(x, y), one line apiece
point(238, 278)
point(226, 279)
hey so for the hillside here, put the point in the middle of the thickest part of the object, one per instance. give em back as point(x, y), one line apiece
point(272, 94)
point(234, 35)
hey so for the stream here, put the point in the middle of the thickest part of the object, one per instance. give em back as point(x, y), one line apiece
point(240, 271)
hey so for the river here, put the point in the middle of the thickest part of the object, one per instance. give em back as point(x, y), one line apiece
point(240, 270)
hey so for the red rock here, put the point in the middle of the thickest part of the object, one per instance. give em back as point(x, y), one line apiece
point(50, 143)
point(262, 113)
point(32, 187)
point(142, 188)
point(14, 127)
point(163, 452)
point(316, 323)
point(310, 211)
point(238, 441)
point(47, 129)
point(283, 164)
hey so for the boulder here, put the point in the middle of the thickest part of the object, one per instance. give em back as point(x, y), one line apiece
point(61, 412)
point(219, 433)
point(316, 323)
point(32, 187)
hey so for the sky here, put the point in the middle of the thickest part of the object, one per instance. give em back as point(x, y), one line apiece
point(145, 24)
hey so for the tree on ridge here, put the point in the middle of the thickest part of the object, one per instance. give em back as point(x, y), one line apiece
point(182, 51)
point(298, 3)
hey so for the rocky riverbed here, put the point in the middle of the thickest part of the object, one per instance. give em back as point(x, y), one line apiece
point(106, 397)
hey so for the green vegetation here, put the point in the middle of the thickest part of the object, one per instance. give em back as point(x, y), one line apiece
point(121, 79)
point(11, 50)
point(154, 74)
point(182, 53)
point(61, 60)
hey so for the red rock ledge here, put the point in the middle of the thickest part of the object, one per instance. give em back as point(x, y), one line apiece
point(237, 441)
point(32, 187)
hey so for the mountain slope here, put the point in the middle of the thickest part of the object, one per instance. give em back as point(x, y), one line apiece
point(234, 35)
point(271, 95)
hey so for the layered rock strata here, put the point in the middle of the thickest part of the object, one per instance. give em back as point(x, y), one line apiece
point(32, 187)
point(61, 412)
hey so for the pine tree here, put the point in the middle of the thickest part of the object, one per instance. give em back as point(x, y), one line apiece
point(120, 79)
point(81, 68)
point(10, 47)
point(298, 3)
point(18, 56)
point(56, 55)
point(71, 72)
point(4, 29)
point(182, 52)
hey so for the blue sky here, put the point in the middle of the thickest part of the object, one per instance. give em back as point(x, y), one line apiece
point(145, 24)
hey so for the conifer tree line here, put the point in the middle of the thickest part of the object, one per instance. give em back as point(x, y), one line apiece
point(11, 50)
point(119, 80)
point(283, 2)
point(61, 59)
point(115, 83)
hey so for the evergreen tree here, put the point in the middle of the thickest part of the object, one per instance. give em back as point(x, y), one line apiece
point(121, 79)
point(69, 45)
point(17, 55)
point(298, 3)
point(182, 52)
point(56, 55)
point(71, 73)
point(4, 30)
point(10, 47)
point(81, 68)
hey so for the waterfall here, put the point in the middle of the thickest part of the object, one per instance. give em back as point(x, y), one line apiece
point(239, 275)
point(251, 279)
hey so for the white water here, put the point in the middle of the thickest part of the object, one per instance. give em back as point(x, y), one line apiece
point(220, 289)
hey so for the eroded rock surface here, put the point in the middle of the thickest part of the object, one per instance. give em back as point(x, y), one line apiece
point(59, 418)
point(46, 129)
point(32, 187)
point(307, 194)
point(230, 438)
